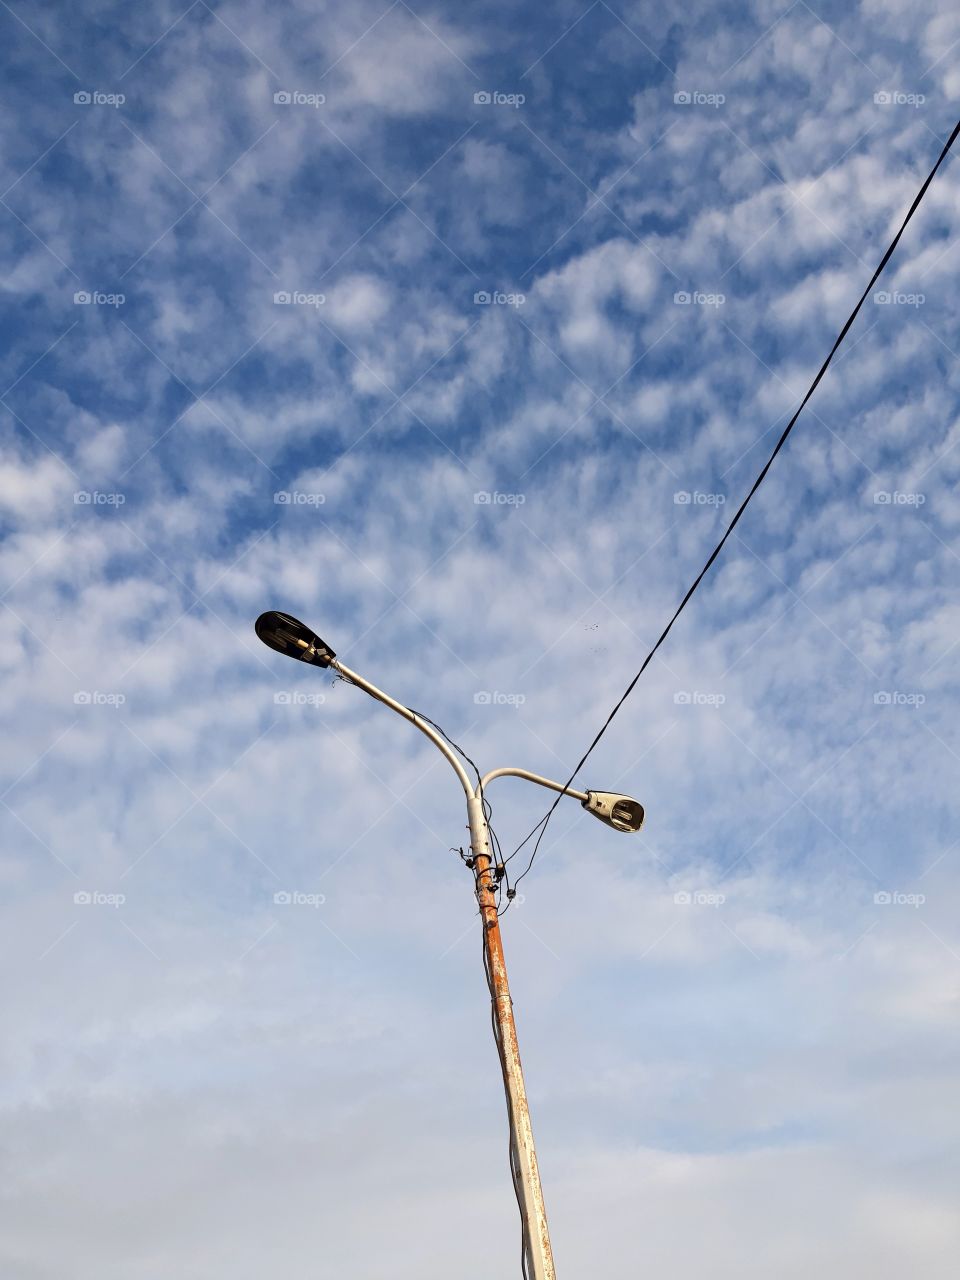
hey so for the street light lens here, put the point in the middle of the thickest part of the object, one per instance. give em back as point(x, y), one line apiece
point(288, 635)
point(627, 815)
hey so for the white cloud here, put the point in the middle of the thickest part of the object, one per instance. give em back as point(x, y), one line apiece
point(203, 1048)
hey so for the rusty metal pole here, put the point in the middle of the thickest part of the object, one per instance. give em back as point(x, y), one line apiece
point(289, 636)
point(526, 1174)
point(523, 1156)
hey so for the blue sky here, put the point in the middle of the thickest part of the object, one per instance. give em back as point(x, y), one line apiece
point(248, 363)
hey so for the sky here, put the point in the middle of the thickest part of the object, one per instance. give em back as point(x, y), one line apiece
point(459, 331)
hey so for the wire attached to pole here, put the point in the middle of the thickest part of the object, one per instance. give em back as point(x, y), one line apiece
point(500, 875)
point(544, 821)
point(513, 1153)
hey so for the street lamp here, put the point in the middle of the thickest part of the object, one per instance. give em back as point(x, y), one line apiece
point(287, 635)
point(294, 638)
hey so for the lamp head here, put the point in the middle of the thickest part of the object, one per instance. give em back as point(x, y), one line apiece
point(619, 812)
point(294, 638)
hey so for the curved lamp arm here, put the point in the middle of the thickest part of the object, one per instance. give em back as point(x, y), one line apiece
point(530, 777)
point(407, 714)
point(623, 813)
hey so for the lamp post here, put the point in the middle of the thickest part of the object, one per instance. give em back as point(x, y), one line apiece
point(290, 637)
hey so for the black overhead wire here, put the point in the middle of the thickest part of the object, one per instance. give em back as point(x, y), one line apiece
point(544, 821)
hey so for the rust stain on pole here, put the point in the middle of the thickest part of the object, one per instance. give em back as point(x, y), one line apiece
point(526, 1172)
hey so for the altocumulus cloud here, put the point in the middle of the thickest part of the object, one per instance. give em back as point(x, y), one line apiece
point(232, 917)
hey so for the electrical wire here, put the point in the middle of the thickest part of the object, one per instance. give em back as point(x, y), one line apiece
point(512, 1151)
point(544, 822)
point(487, 812)
point(501, 878)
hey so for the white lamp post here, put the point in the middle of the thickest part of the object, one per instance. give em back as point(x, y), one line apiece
point(289, 636)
